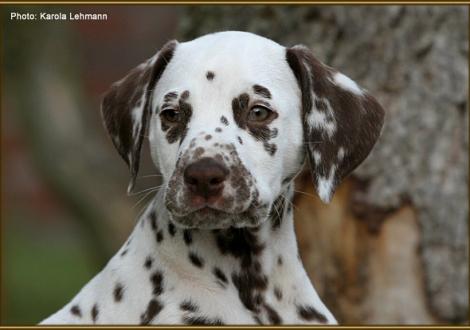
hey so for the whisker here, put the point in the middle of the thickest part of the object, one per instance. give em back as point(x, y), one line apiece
point(149, 176)
point(143, 198)
point(145, 190)
point(303, 192)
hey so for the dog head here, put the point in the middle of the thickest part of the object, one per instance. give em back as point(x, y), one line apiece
point(230, 117)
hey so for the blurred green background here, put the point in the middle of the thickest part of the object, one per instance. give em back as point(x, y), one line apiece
point(64, 203)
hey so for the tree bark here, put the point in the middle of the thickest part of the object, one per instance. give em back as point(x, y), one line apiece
point(392, 247)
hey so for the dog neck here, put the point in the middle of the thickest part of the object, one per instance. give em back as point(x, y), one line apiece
point(272, 244)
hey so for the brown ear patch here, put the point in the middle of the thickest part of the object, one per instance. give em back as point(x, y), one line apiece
point(341, 122)
point(126, 106)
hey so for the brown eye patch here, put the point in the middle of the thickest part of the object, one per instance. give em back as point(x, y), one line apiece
point(262, 91)
point(177, 130)
point(260, 131)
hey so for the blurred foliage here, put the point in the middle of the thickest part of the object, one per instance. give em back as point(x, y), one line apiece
point(33, 261)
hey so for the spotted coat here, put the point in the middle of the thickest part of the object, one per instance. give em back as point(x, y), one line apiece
point(256, 109)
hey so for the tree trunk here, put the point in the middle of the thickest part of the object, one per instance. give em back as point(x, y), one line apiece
point(392, 246)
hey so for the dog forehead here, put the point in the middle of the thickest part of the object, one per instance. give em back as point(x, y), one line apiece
point(219, 67)
point(227, 58)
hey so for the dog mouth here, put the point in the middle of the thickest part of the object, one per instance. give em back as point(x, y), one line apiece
point(211, 218)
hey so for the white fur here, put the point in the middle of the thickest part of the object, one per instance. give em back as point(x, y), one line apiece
point(346, 83)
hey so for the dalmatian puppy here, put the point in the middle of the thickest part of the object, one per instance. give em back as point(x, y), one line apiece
point(231, 117)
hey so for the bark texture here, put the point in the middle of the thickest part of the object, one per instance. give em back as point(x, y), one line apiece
point(392, 247)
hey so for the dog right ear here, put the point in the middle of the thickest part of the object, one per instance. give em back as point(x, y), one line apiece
point(127, 104)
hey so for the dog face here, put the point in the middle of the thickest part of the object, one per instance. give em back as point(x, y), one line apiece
point(230, 118)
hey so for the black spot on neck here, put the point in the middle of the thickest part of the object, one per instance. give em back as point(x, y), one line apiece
point(157, 282)
point(153, 308)
point(171, 228)
point(159, 236)
point(201, 320)
point(189, 306)
point(239, 242)
point(187, 237)
point(153, 220)
point(309, 313)
point(273, 316)
point(219, 274)
point(118, 292)
point(196, 260)
point(94, 313)
point(148, 262)
point(75, 310)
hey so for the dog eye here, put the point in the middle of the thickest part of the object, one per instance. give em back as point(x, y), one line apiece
point(170, 115)
point(259, 113)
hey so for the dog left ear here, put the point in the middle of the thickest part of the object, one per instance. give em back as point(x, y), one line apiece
point(341, 121)
point(127, 104)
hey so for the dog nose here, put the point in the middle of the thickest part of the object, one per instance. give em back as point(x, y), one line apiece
point(206, 177)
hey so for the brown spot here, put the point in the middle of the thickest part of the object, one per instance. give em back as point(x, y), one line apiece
point(171, 228)
point(224, 120)
point(159, 236)
point(75, 310)
point(210, 75)
point(124, 252)
point(273, 316)
point(153, 220)
point(185, 95)
point(278, 293)
point(94, 313)
point(148, 262)
point(220, 275)
point(261, 90)
point(208, 137)
point(201, 320)
point(170, 97)
point(279, 261)
point(157, 283)
point(309, 313)
point(240, 140)
point(198, 152)
point(196, 260)
point(118, 292)
point(153, 308)
point(189, 306)
point(218, 129)
point(187, 237)
point(271, 148)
